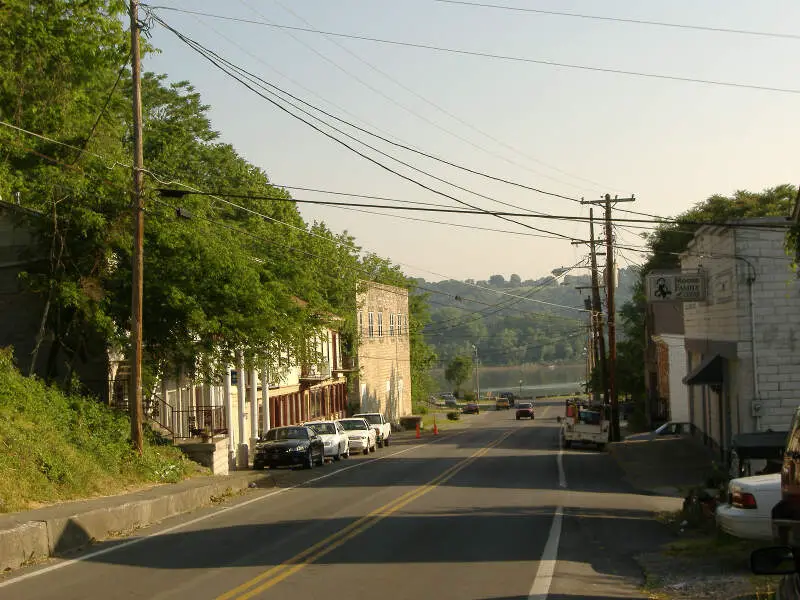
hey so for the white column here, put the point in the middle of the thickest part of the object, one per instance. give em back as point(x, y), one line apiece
point(265, 425)
point(241, 435)
point(229, 414)
point(253, 408)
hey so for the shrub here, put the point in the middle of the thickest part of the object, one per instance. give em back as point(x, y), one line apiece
point(454, 415)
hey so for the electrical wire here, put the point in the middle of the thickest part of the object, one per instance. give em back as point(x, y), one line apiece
point(443, 110)
point(489, 55)
point(212, 58)
point(769, 34)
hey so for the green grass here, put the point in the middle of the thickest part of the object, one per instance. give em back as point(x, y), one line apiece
point(56, 447)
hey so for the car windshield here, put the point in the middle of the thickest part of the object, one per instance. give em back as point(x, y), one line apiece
point(323, 428)
point(525, 405)
point(287, 433)
point(374, 419)
point(353, 424)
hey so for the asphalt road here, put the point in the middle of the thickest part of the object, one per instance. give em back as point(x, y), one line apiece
point(494, 511)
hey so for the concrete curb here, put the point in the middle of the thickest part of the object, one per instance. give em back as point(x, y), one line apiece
point(24, 542)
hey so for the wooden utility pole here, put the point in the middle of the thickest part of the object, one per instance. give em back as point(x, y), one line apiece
point(612, 398)
point(137, 199)
point(597, 312)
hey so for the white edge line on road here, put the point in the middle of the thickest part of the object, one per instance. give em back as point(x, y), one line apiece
point(138, 540)
point(547, 564)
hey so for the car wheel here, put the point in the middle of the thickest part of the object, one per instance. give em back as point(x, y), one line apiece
point(309, 462)
point(366, 450)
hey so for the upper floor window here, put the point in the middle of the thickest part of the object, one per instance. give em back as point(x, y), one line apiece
point(371, 324)
point(391, 324)
point(380, 324)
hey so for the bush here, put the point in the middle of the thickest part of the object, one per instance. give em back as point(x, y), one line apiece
point(419, 409)
point(454, 415)
point(56, 446)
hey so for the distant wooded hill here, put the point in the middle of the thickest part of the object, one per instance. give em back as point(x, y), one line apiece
point(513, 321)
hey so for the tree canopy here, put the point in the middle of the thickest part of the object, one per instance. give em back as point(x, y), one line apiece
point(229, 275)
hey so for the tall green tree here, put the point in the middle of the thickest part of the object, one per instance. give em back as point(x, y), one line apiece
point(458, 371)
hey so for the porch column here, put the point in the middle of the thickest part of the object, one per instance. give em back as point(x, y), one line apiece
point(265, 416)
point(229, 415)
point(253, 408)
point(241, 450)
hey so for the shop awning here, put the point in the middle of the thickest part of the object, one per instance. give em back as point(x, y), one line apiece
point(708, 372)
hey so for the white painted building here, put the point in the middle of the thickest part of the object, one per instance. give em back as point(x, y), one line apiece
point(749, 323)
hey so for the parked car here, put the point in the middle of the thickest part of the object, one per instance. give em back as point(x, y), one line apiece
point(471, 408)
point(502, 403)
point(525, 410)
point(451, 403)
point(747, 512)
point(382, 427)
point(361, 434)
point(288, 447)
point(668, 429)
point(337, 444)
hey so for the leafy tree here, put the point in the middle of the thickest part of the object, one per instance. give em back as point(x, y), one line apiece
point(497, 281)
point(458, 371)
point(515, 280)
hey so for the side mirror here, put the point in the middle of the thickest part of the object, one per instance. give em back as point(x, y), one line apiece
point(775, 560)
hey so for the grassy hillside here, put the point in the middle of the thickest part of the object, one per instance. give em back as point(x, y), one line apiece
point(56, 447)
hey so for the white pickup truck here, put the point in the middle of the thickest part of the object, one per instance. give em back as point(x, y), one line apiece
point(382, 427)
point(583, 424)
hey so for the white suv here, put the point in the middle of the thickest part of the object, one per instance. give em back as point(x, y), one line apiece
point(382, 427)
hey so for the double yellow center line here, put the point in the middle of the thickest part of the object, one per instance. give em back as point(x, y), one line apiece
point(278, 573)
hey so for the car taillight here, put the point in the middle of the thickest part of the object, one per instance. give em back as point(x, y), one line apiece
point(743, 500)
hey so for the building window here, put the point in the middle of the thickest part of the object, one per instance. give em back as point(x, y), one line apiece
point(371, 324)
point(380, 324)
point(360, 323)
point(391, 324)
point(400, 324)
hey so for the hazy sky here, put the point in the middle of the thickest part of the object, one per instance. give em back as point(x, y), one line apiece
point(573, 132)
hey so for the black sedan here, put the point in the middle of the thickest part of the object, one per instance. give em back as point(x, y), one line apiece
point(289, 447)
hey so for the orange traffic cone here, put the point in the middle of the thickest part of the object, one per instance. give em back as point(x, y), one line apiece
point(435, 428)
point(418, 430)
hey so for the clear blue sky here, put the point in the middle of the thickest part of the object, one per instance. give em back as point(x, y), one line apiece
point(670, 143)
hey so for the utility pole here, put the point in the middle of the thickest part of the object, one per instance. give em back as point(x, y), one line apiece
point(612, 318)
point(135, 404)
point(597, 311)
point(596, 323)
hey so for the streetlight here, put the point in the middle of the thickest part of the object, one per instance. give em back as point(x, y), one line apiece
point(477, 375)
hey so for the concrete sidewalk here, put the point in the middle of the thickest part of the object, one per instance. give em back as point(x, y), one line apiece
point(34, 535)
point(30, 536)
point(664, 466)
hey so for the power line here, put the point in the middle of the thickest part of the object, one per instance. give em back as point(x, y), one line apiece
point(441, 109)
point(215, 59)
point(482, 212)
point(518, 59)
point(769, 34)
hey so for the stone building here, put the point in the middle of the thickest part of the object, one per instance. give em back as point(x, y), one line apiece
point(383, 383)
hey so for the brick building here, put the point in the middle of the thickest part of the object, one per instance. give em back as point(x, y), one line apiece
point(742, 341)
point(384, 352)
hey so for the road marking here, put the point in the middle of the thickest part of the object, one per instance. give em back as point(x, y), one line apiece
point(562, 476)
point(289, 567)
point(547, 564)
point(221, 511)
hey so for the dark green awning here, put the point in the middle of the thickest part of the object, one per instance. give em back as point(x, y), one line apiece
point(708, 372)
